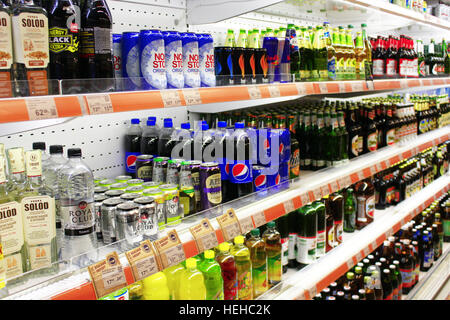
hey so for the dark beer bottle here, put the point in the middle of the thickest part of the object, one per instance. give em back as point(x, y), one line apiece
point(292, 252)
point(31, 50)
point(370, 131)
point(365, 199)
point(386, 283)
point(354, 132)
point(96, 43)
point(6, 48)
point(369, 289)
point(64, 28)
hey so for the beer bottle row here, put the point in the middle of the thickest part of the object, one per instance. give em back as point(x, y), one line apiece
point(393, 269)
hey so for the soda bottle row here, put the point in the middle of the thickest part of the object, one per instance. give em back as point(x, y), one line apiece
point(242, 270)
point(154, 59)
point(392, 270)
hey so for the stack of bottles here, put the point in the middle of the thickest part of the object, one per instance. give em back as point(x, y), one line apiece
point(432, 112)
point(393, 269)
point(242, 271)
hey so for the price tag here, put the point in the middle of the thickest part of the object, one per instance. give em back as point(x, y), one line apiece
point(350, 263)
point(370, 85)
point(324, 190)
point(107, 275)
point(305, 199)
point(171, 98)
point(99, 103)
point(301, 88)
point(341, 87)
point(323, 87)
point(142, 260)
point(254, 92)
point(358, 256)
point(229, 224)
point(170, 249)
point(246, 224)
point(313, 292)
point(317, 193)
point(259, 219)
point(204, 235)
point(334, 186)
point(288, 206)
point(41, 108)
point(345, 181)
point(403, 83)
point(192, 97)
point(274, 91)
point(357, 86)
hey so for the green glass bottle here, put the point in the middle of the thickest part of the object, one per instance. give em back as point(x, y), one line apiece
point(306, 236)
point(349, 211)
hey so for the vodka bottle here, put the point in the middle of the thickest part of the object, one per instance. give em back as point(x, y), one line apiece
point(16, 162)
point(76, 192)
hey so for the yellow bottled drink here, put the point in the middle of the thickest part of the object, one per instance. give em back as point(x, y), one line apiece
point(244, 268)
point(173, 275)
point(230, 40)
point(155, 287)
point(192, 286)
point(259, 262)
point(272, 239)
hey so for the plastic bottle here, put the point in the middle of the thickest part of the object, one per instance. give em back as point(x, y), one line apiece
point(155, 287)
point(272, 238)
point(220, 137)
point(192, 286)
point(185, 144)
point(259, 262)
point(132, 146)
point(165, 142)
point(149, 139)
point(229, 271)
point(202, 139)
point(244, 269)
point(213, 276)
point(173, 275)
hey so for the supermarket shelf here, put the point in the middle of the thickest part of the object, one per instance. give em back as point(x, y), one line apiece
point(306, 283)
point(51, 107)
point(75, 283)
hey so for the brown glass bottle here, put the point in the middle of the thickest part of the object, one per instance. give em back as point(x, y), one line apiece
point(365, 199)
point(336, 202)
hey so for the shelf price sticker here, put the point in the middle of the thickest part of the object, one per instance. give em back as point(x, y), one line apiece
point(229, 224)
point(357, 86)
point(323, 88)
point(370, 85)
point(143, 261)
point(204, 235)
point(246, 224)
point(192, 97)
point(99, 103)
point(274, 91)
point(170, 249)
point(301, 88)
point(170, 98)
point(288, 206)
point(341, 86)
point(259, 219)
point(305, 199)
point(107, 275)
point(41, 108)
point(254, 92)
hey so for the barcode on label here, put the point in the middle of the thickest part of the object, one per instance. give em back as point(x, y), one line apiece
point(246, 224)
point(99, 104)
point(254, 92)
point(259, 219)
point(192, 97)
point(274, 91)
point(171, 98)
point(207, 241)
point(41, 108)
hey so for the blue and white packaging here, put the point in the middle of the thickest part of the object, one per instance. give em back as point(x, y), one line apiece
point(191, 60)
point(153, 61)
point(130, 58)
point(206, 56)
point(174, 59)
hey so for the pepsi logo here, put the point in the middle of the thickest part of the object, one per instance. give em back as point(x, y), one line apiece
point(260, 181)
point(227, 169)
point(131, 160)
point(240, 171)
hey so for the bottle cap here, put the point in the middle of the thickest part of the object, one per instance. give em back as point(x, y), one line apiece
point(135, 121)
point(152, 118)
point(209, 254)
point(186, 126)
point(39, 146)
point(56, 148)
point(222, 124)
point(205, 126)
point(350, 275)
point(151, 123)
point(74, 152)
point(224, 246)
point(239, 125)
point(239, 240)
point(271, 224)
point(255, 232)
point(191, 263)
point(168, 123)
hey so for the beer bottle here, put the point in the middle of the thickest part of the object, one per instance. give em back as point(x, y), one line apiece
point(391, 58)
point(345, 54)
point(31, 49)
point(64, 27)
point(349, 211)
point(351, 50)
point(331, 52)
point(293, 232)
point(389, 127)
point(337, 209)
point(378, 59)
point(320, 155)
point(369, 289)
point(7, 52)
point(332, 141)
point(282, 224)
point(386, 283)
point(398, 274)
point(319, 207)
point(439, 232)
point(334, 287)
point(326, 293)
point(294, 49)
point(370, 130)
point(96, 44)
point(350, 276)
point(421, 59)
point(394, 283)
point(354, 132)
point(359, 277)
point(343, 139)
point(306, 236)
point(294, 161)
point(308, 53)
point(305, 143)
point(320, 69)
point(329, 222)
point(365, 199)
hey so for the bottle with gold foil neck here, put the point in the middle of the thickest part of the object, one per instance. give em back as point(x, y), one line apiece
point(360, 57)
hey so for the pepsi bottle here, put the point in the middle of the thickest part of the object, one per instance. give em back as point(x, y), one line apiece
point(241, 177)
point(150, 138)
point(132, 146)
point(166, 142)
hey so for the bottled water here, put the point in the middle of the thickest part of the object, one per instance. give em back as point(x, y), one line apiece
point(76, 192)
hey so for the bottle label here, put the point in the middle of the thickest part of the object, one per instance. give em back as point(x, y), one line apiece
point(13, 265)
point(354, 145)
point(259, 279)
point(294, 165)
point(320, 249)
point(391, 67)
point(245, 285)
point(360, 144)
point(292, 252)
point(6, 53)
point(62, 39)
point(332, 68)
point(174, 64)
point(285, 251)
point(11, 228)
point(372, 142)
point(341, 67)
point(153, 65)
point(191, 65)
point(196, 182)
point(306, 249)
point(207, 71)
point(30, 30)
point(213, 188)
point(428, 258)
point(407, 277)
point(330, 236)
point(87, 41)
point(403, 67)
point(390, 137)
point(339, 230)
point(78, 220)
point(240, 172)
point(378, 67)
point(103, 40)
point(38, 220)
point(274, 268)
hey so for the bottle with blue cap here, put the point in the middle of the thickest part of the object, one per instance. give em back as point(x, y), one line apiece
point(203, 144)
point(150, 138)
point(166, 143)
point(132, 146)
point(185, 142)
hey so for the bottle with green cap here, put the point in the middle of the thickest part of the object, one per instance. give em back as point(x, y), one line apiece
point(173, 275)
point(272, 239)
point(230, 40)
point(192, 284)
point(213, 276)
point(242, 39)
point(229, 271)
point(244, 268)
point(258, 257)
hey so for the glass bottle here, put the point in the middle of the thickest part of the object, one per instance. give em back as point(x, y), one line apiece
point(365, 197)
point(349, 211)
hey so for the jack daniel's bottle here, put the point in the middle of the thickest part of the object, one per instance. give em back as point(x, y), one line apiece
point(31, 50)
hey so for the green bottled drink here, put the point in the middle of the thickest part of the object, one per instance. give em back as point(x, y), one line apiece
point(272, 239)
point(306, 236)
point(258, 257)
point(212, 275)
point(320, 69)
point(319, 207)
point(330, 139)
point(349, 211)
point(244, 269)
